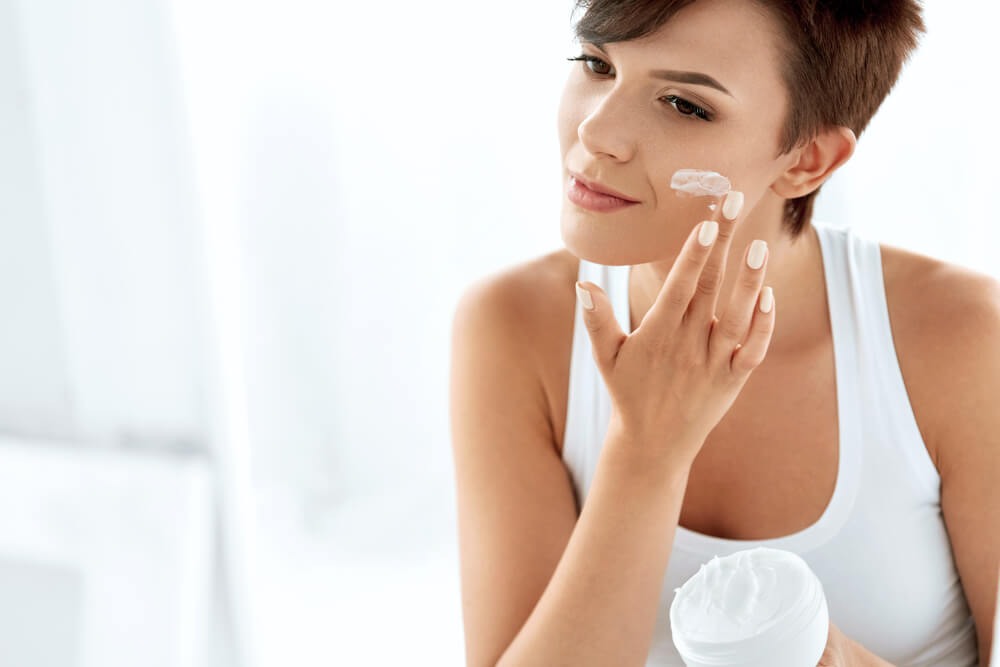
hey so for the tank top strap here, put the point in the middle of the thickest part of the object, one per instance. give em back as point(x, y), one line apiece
point(886, 391)
point(588, 411)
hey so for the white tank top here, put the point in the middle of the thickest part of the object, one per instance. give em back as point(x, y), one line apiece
point(880, 548)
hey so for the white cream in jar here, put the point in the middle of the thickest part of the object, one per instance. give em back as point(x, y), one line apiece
point(756, 607)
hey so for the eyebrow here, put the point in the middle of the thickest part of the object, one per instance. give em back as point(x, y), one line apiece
point(696, 78)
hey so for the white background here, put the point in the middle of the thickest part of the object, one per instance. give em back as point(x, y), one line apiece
point(239, 229)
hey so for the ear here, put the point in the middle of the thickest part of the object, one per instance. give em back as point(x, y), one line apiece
point(817, 161)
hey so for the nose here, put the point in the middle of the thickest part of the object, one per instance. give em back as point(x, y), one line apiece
point(610, 129)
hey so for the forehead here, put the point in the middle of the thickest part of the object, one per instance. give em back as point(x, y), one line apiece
point(734, 41)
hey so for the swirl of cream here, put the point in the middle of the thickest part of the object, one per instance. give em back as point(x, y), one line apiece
point(699, 183)
point(740, 595)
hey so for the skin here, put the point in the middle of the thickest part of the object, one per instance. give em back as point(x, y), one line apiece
point(615, 127)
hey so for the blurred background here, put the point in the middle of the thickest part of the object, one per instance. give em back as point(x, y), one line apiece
point(232, 236)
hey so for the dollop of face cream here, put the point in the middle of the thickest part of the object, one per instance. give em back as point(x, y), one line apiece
point(699, 183)
point(739, 596)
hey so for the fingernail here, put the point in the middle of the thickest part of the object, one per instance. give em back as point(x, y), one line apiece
point(766, 300)
point(584, 297)
point(755, 258)
point(707, 233)
point(733, 204)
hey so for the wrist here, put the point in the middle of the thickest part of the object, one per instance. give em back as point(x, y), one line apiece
point(641, 457)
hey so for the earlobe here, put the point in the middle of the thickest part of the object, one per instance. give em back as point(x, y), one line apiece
point(817, 162)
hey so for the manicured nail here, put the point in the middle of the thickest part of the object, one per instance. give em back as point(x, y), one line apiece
point(733, 204)
point(707, 233)
point(755, 258)
point(766, 300)
point(584, 297)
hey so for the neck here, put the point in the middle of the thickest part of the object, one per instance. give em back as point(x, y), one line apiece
point(794, 271)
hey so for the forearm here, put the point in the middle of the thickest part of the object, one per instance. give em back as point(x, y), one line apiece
point(600, 605)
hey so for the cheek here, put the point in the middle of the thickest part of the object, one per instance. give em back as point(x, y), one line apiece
point(684, 209)
point(689, 211)
point(748, 166)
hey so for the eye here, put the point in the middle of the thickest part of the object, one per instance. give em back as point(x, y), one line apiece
point(680, 103)
point(590, 59)
point(682, 106)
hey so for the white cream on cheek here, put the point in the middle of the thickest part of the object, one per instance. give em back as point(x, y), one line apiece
point(699, 183)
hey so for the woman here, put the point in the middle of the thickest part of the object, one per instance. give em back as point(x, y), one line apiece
point(603, 454)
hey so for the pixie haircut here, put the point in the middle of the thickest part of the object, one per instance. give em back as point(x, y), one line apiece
point(840, 60)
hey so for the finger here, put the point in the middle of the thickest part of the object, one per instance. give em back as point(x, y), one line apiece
point(750, 355)
point(674, 296)
point(707, 296)
point(606, 334)
point(732, 327)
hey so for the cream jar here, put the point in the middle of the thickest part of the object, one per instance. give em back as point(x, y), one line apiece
point(758, 607)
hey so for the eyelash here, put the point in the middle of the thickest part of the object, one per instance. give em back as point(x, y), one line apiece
point(672, 99)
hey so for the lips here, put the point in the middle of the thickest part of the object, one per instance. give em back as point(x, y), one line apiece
point(584, 197)
point(599, 187)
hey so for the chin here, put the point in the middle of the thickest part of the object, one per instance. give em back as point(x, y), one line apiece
point(617, 242)
point(598, 242)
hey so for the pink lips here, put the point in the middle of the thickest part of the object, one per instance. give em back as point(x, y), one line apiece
point(581, 195)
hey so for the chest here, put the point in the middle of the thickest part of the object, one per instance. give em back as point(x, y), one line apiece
point(769, 468)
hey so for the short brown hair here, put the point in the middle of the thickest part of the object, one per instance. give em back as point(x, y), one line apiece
point(841, 60)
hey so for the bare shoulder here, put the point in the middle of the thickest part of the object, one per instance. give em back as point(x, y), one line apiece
point(950, 319)
point(943, 316)
point(525, 293)
point(515, 498)
point(533, 303)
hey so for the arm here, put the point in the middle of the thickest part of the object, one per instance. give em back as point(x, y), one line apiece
point(541, 586)
point(957, 324)
point(600, 606)
point(969, 445)
point(959, 327)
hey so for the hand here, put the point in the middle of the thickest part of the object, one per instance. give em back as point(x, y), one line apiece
point(680, 371)
point(838, 651)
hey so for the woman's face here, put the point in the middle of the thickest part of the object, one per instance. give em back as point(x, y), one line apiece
point(625, 127)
